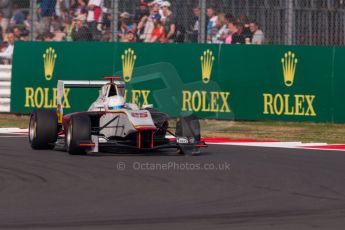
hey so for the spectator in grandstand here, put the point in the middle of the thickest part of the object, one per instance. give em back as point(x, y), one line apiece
point(47, 9)
point(125, 25)
point(18, 16)
point(16, 32)
point(6, 7)
point(68, 3)
point(238, 36)
point(106, 21)
point(145, 28)
point(25, 35)
point(106, 36)
point(141, 15)
point(193, 31)
point(235, 33)
point(169, 22)
point(154, 2)
point(228, 39)
point(158, 34)
point(222, 29)
point(59, 35)
point(106, 26)
point(147, 24)
point(130, 37)
point(7, 53)
point(258, 36)
point(68, 28)
point(94, 17)
point(48, 37)
point(79, 7)
point(141, 12)
point(63, 9)
point(243, 19)
point(27, 23)
point(211, 23)
point(80, 31)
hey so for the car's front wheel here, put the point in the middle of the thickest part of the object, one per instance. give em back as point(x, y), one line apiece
point(79, 130)
point(43, 129)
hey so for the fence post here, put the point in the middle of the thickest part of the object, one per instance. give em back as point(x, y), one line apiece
point(289, 22)
point(115, 21)
point(202, 21)
point(33, 19)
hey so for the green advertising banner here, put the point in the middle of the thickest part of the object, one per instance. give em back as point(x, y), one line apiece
point(278, 82)
point(338, 79)
point(38, 66)
point(286, 83)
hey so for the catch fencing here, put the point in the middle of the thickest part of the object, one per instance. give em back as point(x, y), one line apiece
point(289, 22)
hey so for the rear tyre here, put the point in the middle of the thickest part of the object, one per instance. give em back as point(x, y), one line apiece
point(79, 129)
point(43, 129)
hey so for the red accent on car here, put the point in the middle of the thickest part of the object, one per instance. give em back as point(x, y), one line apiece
point(139, 140)
point(146, 128)
point(87, 145)
point(152, 139)
point(112, 77)
point(62, 132)
point(139, 114)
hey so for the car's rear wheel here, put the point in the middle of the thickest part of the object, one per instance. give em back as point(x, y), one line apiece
point(43, 129)
point(79, 130)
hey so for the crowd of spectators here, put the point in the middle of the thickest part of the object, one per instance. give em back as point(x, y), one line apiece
point(154, 21)
point(226, 29)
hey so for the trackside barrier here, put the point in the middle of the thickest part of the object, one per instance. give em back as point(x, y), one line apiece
point(5, 87)
point(269, 82)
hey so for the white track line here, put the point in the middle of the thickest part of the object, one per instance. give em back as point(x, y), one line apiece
point(12, 130)
point(272, 144)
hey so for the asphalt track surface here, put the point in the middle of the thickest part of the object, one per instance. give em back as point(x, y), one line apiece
point(265, 188)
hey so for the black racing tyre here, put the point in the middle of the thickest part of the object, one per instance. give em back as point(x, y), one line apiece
point(180, 151)
point(188, 150)
point(79, 129)
point(188, 126)
point(43, 129)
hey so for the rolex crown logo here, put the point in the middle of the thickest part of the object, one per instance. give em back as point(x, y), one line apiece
point(289, 63)
point(49, 58)
point(128, 62)
point(206, 65)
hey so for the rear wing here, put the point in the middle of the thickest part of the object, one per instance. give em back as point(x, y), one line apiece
point(73, 84)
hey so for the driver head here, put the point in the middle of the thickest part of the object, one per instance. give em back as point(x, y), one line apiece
point(116, 102)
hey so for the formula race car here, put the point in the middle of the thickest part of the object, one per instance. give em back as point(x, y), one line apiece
point(110, 124)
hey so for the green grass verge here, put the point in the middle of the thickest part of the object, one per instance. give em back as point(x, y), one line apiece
point(14, 121)
point(282, 131)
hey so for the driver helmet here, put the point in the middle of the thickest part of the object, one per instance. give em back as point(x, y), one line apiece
point(116, 102)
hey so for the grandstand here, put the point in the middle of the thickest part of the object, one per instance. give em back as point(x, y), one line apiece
point(291, 22)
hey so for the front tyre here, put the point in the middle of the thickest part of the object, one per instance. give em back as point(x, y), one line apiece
point(43, 129)
point(79, 130)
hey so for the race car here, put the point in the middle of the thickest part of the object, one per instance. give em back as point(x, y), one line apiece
point(110, 124)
